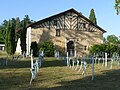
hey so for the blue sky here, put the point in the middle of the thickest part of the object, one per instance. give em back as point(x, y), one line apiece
point(40, 9)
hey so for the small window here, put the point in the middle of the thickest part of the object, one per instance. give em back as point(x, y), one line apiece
point(58, 32)
point(85, 48)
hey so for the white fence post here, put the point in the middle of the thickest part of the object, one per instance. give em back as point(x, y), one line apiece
point(105, 59)
point(31, 59)
point(6, 58)
point(67, 60)
point(92, 68)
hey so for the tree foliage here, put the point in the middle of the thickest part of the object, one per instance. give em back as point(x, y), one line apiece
point(24, 23)
point(112, 39)
point(7, 38)
point(109, 48)
point(12, 36)
point(92, 16)
point(48, 48)
point(117, 6)
point(10, 31)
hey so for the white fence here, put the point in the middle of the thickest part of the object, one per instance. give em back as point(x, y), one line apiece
point(35, 66)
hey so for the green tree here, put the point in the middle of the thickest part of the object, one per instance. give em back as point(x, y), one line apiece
point(1, 34)
point(7, 38)
point(17, 31)
point(12, 35)
point(92, 16)
point(23, 36)
point(3, 29)
point(117, 6)
point(24, 23)
point(27, 20)
point(112, 39)
point(109, 48)
point(48, 48)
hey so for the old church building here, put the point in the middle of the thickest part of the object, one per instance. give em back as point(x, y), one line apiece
point(70, 32)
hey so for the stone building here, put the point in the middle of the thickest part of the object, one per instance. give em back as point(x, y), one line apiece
point(70, 32)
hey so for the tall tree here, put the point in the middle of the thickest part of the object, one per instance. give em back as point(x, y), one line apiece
point(12, 32)
point(17, 31)
point(7, 38)
point(92, 16)
point(1, 34)
point(112, 39)
point(27, 20)
point(3, 29)
point(117, 6)
point(24, 23)
point(23, 36)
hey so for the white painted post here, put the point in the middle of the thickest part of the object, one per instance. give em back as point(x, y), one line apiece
point(99, 61)
point(6, 58)
point(81, 66)
point(105, 59)
point(23, 55)
point(73, 63)
point(67, 60)
point(84, 68)
point(42, 56)
point(39, 60)
point(118, 60)
point(31, 59)
point(92, 68)
point(95, 59)
point(77, 64)
point(75, 54)
point(111, 63)
point(58, 55)
point(37, 67)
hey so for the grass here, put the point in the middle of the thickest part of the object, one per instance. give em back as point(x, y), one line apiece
point(54, 75)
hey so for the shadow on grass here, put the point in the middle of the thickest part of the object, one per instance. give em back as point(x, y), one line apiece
point(109, 80)
point(48, 62)
point(53, 63)
point(15, 64)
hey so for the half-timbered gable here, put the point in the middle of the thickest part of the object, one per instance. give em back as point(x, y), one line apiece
point(70, 32)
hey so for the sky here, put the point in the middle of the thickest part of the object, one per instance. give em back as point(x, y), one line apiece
point(40, 9)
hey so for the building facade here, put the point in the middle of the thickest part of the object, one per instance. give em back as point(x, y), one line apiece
point(70, 32)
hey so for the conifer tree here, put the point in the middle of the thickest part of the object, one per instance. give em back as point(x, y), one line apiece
point(17, 29)
point(23, 36)
point(12, 32)
point(92, 16)
point(7, 38)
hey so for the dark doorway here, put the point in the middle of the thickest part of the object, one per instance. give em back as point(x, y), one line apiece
point(70, 48)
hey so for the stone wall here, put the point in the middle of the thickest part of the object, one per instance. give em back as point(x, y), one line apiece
point(82, 39)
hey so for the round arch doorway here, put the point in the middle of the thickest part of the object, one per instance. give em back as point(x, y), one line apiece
point(71, 48)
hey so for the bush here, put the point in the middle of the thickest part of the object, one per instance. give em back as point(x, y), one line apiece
point(109, 48)
point(48, 48)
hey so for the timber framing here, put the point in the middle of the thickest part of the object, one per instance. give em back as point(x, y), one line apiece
point(67, 20)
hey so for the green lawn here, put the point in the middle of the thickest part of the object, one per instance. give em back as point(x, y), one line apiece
point(54, 75)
